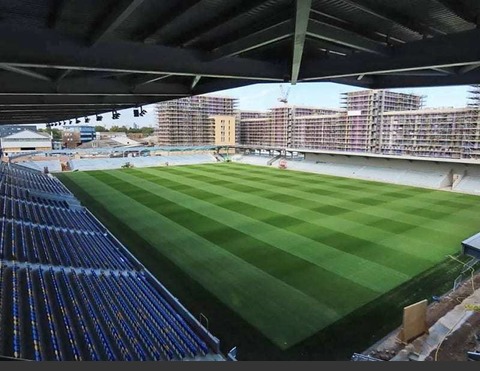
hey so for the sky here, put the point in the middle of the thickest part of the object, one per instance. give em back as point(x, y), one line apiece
point(324, 94)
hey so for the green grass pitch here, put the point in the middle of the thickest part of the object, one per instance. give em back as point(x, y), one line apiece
point(288, 253)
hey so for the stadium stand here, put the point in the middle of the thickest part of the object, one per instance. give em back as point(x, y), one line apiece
point(53, 165)
point(252, 160)
point(469, 184)
point(435, 179)
point(70, 291)
point(148, 161)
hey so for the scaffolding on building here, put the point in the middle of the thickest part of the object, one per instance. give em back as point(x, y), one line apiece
point(371, 121)
point(188, 121)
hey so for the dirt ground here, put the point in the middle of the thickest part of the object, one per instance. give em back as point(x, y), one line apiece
point(454, 347)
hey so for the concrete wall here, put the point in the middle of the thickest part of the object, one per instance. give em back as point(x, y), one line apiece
point(403, 164)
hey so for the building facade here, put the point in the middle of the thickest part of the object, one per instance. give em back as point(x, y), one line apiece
point(276, 127)
point(6, 130)
point(86, 133)
point(225, 133)
point(71, 139)
point(371, 121)
point(25, 141)
point(190, 121)
point(444, 132)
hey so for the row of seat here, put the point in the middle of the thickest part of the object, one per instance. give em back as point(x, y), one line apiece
point(58, 314)
point(15, 175)
point(70, 291)
point(28, 184)
point(40, 214)
point(25, 242)
point(25, 195)
point(19, 171)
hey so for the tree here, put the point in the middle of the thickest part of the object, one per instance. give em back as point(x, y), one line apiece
point(117, 129)
point(99, 128)
point(146, 131)
point(56, 133)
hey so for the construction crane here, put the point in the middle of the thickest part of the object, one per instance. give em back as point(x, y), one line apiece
point(283, 95)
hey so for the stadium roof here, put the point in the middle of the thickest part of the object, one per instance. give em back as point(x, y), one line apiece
point(471, 246)
point(61, 59)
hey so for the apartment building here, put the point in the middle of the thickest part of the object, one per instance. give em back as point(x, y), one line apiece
point(371, 121)
point(191, 121)
point(443, 132)
point(252, 128)
point(225, 133)
point(276, 127)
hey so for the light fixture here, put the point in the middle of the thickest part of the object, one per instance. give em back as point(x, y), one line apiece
point(77, 121)
point(87, 119)
point(142, 111)
point(136, 113)
point(70, 122)
point(99, 118)
point(115, 115)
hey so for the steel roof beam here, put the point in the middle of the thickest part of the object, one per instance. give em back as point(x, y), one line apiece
point(468, 68)
point(343, 37)
point(459, 9)
point(221, 84)
point(384, 82)
point(147, 80)
point(256, 40)
point(302, 15)
point(195, 81)
point(452, 50)
point(445, 70)
point(236, 14)
point(24, 72)
point(415, 73)
point(86, 86)
point(168, 21)
point(395, 17)
point(45, 100)
point(22, 48)
point(114, 19)
point(328, 47)
point(365, 81)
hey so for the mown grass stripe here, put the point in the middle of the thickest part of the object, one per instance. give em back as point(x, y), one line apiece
point(234, 282)
point(451, 200)
point(275, 262)
point(300, 221)
point(349, 266)
point(363, 195)
point(365, 199)
point(298, 197)
point(353, 227)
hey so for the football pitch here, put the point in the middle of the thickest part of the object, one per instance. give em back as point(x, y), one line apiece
point(290, 253)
